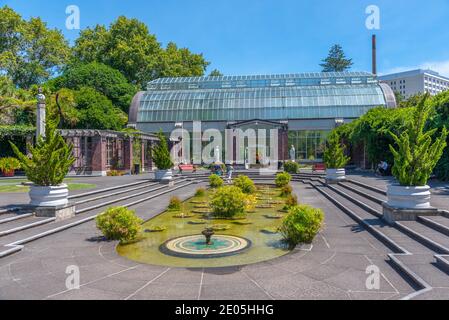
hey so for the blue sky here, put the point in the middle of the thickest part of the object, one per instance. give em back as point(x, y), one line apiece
point(275, 36)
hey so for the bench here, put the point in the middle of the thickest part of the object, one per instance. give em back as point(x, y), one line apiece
point(187, 167)
point(319, 167)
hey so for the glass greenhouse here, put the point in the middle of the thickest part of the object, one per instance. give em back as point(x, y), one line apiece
point(309, 104)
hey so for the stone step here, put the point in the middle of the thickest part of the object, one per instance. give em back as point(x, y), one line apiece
point(23, 224)
point(367, 187)
point(366, 193)
point(438, 223)
point(434, 240)
point(8, 217)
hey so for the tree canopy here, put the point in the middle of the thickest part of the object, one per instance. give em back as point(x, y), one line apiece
point(336, 60)
point(128, 46)
point(30, 53)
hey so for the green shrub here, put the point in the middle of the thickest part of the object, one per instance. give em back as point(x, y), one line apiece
point(283, 179)
point(291, 201)
point(286, 191)
point(200, 192)
point(301, 224)
point(119, 223)
point(416, 155)
point(334, 155)
point(228, 202)
point(9, 164)
point(161, 154)
point(245, 184)
point(215, 181)
point(291, 167)
point(51, 158)
point(175, 204)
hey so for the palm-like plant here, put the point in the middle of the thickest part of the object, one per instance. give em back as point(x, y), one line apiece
point(334, 155)
point(50, 159)
point(416, 155)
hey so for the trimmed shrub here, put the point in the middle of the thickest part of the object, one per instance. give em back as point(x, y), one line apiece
point(334, 155)
point(291, 167)
point(119, 223)
point(282, 179)
point(215, 181)
point(9, 164)
point(175, 204)
point(292, 200)
point(200, 192)
point(161, 154)
point(245, 184)
point(286, 191)
point(301, 225)
point(228, 202)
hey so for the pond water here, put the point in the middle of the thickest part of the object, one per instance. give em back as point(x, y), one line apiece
point(263, 245)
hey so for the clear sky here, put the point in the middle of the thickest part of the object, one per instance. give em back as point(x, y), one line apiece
point(275, 36)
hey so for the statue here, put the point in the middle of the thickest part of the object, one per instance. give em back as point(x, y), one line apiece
point(217, 154)
point(293, 154)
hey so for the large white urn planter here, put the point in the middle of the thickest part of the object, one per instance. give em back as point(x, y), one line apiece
point(49, 196)
point(335, 175)
point(164, 176)
point(414, 198)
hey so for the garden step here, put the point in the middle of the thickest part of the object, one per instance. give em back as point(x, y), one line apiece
point(431, 238)
point(424, 267)
point(366, 193)
point(367, 187)
point(12, 243)
point(23, 224)
point(438, 223)
point(390, 235)
point(8, 217)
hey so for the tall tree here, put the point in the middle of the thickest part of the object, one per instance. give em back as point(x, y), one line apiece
point(336, 60)
point(30, 53)
point(128, 46)
point(215, 73)
point(108, 81)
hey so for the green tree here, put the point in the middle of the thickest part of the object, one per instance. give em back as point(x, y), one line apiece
point(30, 53)
point(336, 60)
point(128, 46)
point(161, 154)
point(215, 73)
point(51, 157)
point(334, 155)
point(16, 105)
point(104, 79)
point(439, 121)
point(416, 155)
point(97, 112)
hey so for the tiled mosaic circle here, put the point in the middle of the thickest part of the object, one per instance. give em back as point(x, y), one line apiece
point(195, 246)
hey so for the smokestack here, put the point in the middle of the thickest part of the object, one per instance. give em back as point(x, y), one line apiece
point(374, 55)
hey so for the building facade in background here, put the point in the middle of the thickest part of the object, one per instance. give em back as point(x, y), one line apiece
point(303, 107)
point(414, 82)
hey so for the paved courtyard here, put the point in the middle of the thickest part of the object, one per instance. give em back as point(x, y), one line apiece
point(333, 268)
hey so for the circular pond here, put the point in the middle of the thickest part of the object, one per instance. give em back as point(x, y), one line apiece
point(184, 233)
point(195, 246)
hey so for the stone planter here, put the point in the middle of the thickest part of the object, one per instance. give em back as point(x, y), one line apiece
point(407, 203)
point(51, 196)
point(335, 175)
point(164, 176)
point(408, 197)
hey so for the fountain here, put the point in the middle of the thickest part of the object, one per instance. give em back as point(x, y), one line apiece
point(208, 233)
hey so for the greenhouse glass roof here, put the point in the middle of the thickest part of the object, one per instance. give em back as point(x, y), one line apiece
point(265, 97)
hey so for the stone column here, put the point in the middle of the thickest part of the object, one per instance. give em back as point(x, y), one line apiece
point(128, 156)
point(40, 115)
point(142, 155)
point(99, 156)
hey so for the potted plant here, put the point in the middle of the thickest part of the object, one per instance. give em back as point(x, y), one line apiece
point(162, 160)
point(414, 160)
point(9, 165)
point(49, 162)
point(335, 159)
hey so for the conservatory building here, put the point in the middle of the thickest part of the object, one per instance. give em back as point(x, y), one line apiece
point(304, 108)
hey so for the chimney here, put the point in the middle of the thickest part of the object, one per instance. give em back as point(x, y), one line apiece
point(374, 55)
